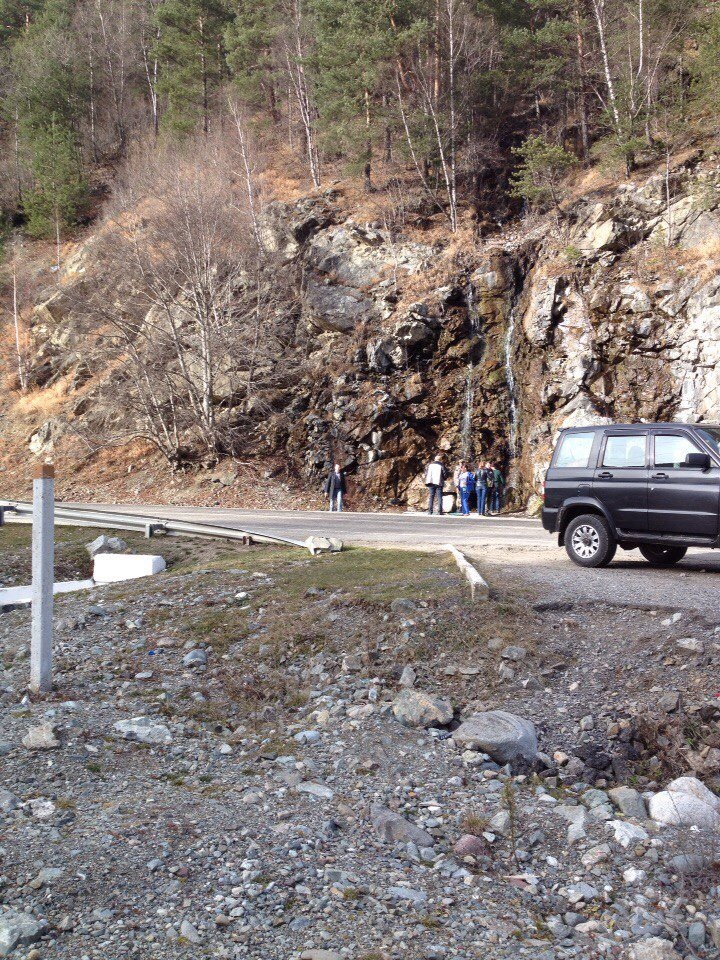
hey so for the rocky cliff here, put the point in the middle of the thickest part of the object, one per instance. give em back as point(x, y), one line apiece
point(407, 341)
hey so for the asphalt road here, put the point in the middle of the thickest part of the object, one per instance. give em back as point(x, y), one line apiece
point(400, 529)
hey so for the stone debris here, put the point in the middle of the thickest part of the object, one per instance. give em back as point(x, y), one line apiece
point(262, 798)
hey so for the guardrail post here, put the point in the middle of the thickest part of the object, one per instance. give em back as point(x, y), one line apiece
point(43, 556)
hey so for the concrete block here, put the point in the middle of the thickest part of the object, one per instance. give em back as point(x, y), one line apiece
point(479, 589)
point(114, 568)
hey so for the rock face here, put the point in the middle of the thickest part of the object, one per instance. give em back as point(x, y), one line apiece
point(503, 736)
point(414, 708)
point(394, 367)
point(686, 802)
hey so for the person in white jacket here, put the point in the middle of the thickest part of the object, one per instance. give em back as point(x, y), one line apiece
point(435, 476)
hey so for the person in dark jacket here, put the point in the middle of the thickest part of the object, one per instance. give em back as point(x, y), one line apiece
point(483, 484)
point(335, 488)
point(498, 488)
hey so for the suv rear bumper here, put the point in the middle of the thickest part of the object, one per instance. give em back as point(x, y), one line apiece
point(549, 518)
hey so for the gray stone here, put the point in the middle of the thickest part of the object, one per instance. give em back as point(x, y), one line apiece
point(505, 737)
point(415, 708)
point(407, 893)
point(513, 653)
point(189, 932)
point(696, 934)
point(402, 607)
point(41, 737)
point(627, 834)
point(19, 929)
point(105, 544)
point(8, 801)
point(408, 677)
point(195, 658)
point(318, 790)
point(144, 730)
point(392, 828)
point(629, 802)
point(320, 955)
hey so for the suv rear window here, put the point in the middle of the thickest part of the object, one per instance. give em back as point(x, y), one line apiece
point(574, 450)
point(671, 449)
point(627, 451)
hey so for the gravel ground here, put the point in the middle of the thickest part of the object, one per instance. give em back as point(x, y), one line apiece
point(270, 803)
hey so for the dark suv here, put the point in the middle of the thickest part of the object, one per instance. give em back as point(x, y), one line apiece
point(655, 486)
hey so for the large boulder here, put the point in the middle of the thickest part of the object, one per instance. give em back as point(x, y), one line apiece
point(415, 708)
point(686, 802)
point(503, 736)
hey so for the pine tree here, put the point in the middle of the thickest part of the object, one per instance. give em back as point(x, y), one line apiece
point(59, 188)
point(250, 40)
point(355, 43)
point(191, 48)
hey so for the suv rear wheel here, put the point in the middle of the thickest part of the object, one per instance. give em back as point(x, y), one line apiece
point(589, 541)
point(662, 556)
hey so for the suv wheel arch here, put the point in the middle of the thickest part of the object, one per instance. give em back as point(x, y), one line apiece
point(575, 508)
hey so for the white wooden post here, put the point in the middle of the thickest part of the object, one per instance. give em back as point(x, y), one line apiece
point(43, 557)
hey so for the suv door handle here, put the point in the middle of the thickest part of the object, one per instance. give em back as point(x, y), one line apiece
point(659, 476)
point(605, 475)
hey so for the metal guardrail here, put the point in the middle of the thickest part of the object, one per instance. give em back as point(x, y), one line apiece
point(16, 511)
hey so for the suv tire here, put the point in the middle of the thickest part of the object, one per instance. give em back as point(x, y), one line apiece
point(662, 556)
point(589, 541)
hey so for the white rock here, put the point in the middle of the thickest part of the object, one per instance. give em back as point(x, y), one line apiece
point(415, 708)
point(144, 730)
point(318, 790)
point(691, 644)
point(654, 948)
point(41, 737)
point(627, 833)
point(686, 802)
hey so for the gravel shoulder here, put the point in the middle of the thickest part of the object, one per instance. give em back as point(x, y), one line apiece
point(241, 760)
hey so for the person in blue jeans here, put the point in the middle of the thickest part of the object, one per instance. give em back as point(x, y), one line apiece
point(498, 488)
point(465, 485)
point(482, 480)
point(335, 488)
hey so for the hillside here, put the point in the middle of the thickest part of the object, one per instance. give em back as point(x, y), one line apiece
point(243, 241)
point(386, 345)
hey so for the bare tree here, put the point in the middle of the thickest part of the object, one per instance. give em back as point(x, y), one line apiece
point(195, 325)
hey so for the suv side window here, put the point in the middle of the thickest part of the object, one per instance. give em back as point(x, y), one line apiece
point(574, 450)
point(671, 450)
point(624, 451)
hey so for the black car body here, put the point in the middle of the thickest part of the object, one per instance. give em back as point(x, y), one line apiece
point(655, 486)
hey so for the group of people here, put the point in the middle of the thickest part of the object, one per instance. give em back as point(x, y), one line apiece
point(482, 488)
point(485, 485)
